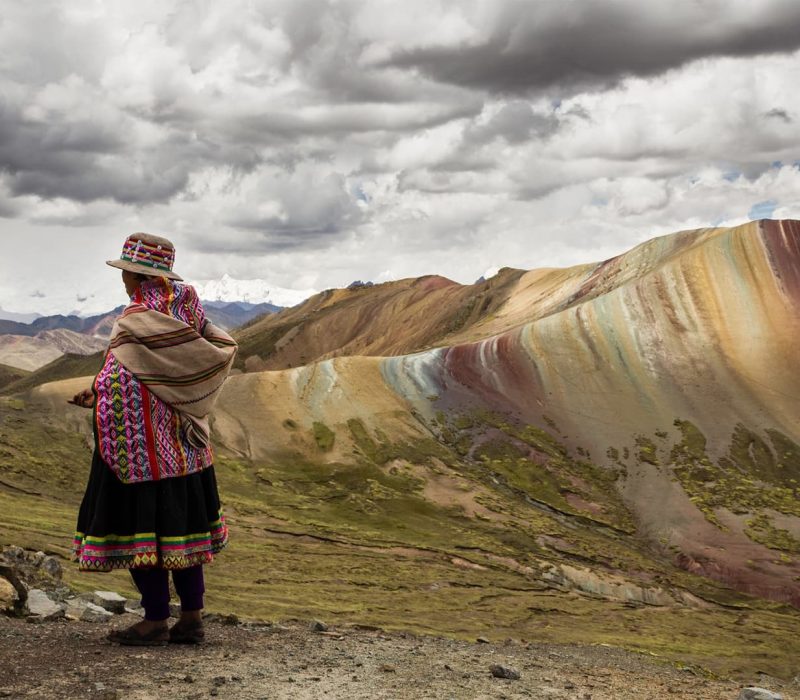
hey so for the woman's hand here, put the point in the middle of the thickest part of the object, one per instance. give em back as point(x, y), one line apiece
point(83, 398)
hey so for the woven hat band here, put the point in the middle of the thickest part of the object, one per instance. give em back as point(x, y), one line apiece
point(158, 257)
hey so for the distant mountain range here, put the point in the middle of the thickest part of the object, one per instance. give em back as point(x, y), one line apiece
point(13, 316)
point(30, 346)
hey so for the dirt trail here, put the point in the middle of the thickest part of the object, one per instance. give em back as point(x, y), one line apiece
point(73, 660)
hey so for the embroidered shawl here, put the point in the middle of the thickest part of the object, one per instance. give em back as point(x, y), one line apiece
point(165, 366)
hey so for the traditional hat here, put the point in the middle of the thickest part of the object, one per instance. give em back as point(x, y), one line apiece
point(147, 254)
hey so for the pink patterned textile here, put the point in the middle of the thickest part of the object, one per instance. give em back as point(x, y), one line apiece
point(141, 437)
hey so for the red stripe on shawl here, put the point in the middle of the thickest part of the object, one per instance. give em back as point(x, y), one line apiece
point(95, 412)
point(149, 438)
point(133, 309)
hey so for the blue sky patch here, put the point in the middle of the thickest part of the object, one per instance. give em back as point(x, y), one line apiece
point(762, 210)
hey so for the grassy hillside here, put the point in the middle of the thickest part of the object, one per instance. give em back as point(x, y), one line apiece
point(10, 374)
point(410, 535)
point(65, 367)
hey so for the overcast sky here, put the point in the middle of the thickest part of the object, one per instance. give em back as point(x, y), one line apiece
point(314, 142)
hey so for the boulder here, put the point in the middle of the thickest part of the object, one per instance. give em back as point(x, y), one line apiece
point(499, 671)
point(86, 611)
point(10, 574)
point(94, 613)
point(52, 566)
point(40, 607)
point(109, 600)
point(8, 595)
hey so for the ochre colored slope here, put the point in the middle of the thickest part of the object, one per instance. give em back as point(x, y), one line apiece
point(398, 318)
point(388, 319)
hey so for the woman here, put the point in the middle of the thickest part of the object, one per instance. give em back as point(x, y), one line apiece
point(151, 504)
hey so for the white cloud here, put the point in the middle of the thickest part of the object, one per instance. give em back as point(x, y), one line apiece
point(312, 142)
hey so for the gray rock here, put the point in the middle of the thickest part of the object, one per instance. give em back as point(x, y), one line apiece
point(40, 606)
point(318, 626)
point(134, 607)
point(754, 693)
point(230, 619)
point(86, 611)
point(37, 558)
point(94, 613)
point(74, 608)
point(482, 640)
point(13, 552)
point(499, 671)
point(108, 600)
point(52, 566)
point(174, 610)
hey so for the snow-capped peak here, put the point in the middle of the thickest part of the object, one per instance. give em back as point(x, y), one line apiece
point(253, 291)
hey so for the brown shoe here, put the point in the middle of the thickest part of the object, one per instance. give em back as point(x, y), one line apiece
point(187, 633)
point(131, 637)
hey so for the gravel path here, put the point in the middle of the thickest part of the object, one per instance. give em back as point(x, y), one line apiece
point(73, 660)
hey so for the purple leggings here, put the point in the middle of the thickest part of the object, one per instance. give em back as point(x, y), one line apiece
point(153, 584)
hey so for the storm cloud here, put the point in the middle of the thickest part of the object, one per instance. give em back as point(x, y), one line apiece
point(529, 46)
point(312, 142)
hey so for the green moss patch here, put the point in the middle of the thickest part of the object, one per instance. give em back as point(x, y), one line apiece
point(323, 436)
point(760, 529)
point(734, 482)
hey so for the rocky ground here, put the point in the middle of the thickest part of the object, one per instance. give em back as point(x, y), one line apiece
point(72, 659)
point(53, 645)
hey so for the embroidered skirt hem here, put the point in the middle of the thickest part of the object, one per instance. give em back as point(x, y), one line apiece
point(172, 523)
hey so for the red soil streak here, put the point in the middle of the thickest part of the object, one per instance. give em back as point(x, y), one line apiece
point(433, 282)
point(599, 274)
point(741, 579)
point(782, 241)
point(510, 383)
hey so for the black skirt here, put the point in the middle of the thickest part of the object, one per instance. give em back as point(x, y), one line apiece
point(172, 523)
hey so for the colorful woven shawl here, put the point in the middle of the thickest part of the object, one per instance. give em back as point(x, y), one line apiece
point(164, 368)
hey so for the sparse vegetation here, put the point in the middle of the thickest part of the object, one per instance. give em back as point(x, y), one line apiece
point(760, 528)
point(647, 451)
point(735, 482)
point(323, 436)
point(358, 541)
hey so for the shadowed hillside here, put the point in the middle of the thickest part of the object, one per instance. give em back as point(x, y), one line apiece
point(9, 375)
point(64, 367)
point(606, 453)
